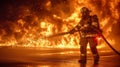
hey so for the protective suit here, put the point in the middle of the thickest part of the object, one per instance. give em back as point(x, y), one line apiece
point(88, 34)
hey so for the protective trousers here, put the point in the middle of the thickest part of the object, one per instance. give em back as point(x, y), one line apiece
point(83, 48)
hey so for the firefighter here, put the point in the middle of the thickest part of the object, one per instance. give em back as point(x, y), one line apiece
point(88, 29)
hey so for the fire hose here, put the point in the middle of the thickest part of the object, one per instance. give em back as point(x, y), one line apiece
point(99, 31)
point(64, 33)
point(110, 45)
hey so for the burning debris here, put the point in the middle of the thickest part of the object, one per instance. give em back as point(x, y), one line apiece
point(26, 23)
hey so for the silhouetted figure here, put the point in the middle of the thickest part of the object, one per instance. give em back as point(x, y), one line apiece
point(88, 27)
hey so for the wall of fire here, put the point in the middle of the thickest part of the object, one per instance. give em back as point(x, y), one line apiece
point(27, 22)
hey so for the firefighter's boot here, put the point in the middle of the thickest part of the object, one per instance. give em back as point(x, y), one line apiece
point(83, 58)
point(96, 58)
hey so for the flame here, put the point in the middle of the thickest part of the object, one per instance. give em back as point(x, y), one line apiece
point(30, 29)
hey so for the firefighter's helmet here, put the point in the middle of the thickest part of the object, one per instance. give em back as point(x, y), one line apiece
point(85, 10)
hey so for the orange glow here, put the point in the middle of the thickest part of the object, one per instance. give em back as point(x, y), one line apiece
point(34, 32)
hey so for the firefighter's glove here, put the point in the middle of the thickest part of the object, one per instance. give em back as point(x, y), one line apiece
point(72, 31)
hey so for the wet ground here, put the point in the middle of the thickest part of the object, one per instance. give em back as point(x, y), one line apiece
point(53, 57)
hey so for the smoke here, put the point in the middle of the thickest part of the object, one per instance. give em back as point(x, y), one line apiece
point(19, 18)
